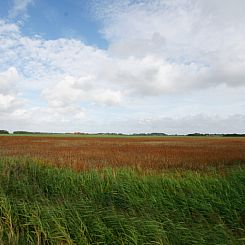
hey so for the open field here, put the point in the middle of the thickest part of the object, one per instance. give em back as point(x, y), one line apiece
point(141, 190)
point(142, 153)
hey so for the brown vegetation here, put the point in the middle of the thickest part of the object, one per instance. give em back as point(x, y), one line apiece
point(157, 153)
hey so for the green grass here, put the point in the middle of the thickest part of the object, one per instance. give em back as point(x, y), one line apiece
point(44, 205)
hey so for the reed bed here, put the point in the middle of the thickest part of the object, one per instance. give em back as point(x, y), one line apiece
point(122, 190)
point(46, 205)
point(143, 153)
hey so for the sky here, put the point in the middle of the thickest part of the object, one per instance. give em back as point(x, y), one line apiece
point(130, 66)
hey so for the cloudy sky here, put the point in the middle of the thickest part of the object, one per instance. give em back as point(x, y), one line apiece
point(173, 66)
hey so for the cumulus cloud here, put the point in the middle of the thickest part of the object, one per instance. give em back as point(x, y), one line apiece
point(8, 103)
point(8, 80)
point(9, 97)
point(158, 50)
point(71, 90)
point(202, 41)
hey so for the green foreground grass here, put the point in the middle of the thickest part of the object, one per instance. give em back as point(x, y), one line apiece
point(44, 205)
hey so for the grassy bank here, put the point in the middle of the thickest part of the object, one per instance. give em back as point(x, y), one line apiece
point(44, 205)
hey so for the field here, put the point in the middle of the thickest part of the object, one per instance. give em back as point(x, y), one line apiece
point(142, 153)
point(122, 190)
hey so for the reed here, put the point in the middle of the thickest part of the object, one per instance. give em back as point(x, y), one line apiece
point(142, 153)
point(45, 205)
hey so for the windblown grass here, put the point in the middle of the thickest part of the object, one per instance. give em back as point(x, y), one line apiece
point(46, 205)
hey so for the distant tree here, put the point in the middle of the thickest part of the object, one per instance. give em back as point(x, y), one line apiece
point(234, 135)
point(21, 132)
point(149, 134)
point(197, 134)
point(4, 132)
point(27, 132)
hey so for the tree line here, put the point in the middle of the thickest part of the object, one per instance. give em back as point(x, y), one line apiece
point(135, 134)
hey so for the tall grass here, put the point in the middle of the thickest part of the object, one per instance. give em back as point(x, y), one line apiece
point(147, 153)
point(45, 205)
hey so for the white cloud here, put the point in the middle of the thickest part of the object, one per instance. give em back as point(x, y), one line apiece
point(162, 54)
point(19, 7)
point(71, 90)
point(7, 28)
point(8, 80)
point(8, 103)
point(107, 97)
point(9, 96)
point(198, 123)
point(207, 36)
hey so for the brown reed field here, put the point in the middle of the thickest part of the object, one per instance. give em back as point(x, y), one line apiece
point(124, 190)
point(142, 153)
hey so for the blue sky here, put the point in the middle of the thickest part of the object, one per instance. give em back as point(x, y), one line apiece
point(57, 19)
point(122, 66)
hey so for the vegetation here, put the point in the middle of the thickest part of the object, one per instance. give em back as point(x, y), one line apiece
point(44, 205)
point(27, 132)
point(156, 134)
point(122, 190)
point(197, 134)
point(223, 135)
point(234, 135)
point(150, 134)
point(4, 132)
point(141, 153)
